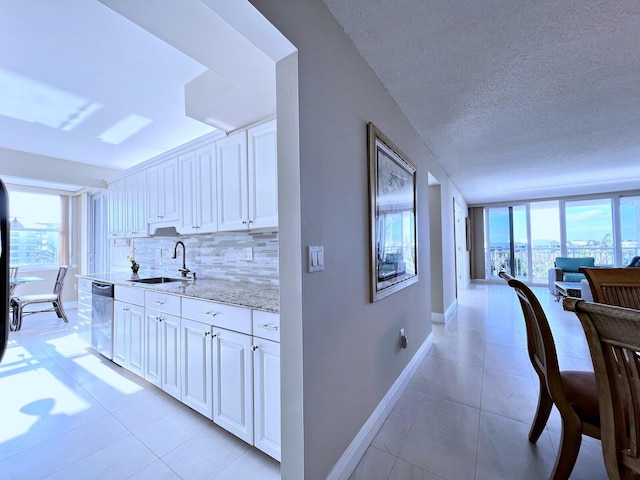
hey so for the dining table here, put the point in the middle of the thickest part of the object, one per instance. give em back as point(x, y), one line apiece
point(15, 281)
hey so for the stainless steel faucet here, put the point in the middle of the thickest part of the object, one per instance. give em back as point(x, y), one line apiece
point(184, 270)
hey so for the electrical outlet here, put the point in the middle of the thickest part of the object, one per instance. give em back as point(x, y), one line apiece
point(403, 339)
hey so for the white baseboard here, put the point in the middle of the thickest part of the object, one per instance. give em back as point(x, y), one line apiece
point(451, 310)
point(349, 460)
point(438, 317)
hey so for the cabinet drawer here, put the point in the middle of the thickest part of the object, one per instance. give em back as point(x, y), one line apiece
point(84, 284)
point(129, 295)
point(218, 314)
point(162, 302)
point(84, 297)
point(266, 325)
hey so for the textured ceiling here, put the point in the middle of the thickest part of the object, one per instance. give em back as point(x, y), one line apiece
point(516, 99)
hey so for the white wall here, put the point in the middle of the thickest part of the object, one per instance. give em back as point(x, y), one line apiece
point(351, 355)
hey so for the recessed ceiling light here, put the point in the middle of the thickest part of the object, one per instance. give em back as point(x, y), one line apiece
point(124, 129)
point(36, 102)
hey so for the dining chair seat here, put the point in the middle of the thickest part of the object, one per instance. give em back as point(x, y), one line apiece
point(19, 302)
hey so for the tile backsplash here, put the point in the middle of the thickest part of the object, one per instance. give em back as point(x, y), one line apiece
point(237, 256)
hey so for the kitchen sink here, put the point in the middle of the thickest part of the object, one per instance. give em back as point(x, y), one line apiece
point(158, 280)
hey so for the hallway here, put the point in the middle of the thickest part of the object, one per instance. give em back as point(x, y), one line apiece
point(467, 412)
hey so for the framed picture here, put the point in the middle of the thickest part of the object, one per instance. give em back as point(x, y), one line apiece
point(392, 193)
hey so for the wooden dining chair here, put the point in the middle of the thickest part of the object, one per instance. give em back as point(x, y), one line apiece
point(19, 302)
point(574, 393)
point(13, 273)
point(613, 335)
point(614, 286)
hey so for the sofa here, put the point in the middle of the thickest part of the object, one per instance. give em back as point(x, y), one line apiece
point(566, 269)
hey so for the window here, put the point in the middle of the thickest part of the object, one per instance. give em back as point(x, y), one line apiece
point(589, 227)
point(526, 239)
point(36, 229)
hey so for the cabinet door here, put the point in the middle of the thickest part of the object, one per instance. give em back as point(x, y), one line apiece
point(189, 195)
point(266, 398)
point(198, 206)
point(135, 209)
point(136, 340)
point(231, 155)
point(171, 373)
point(120, 323)
point(196, 366)
point(153, 342)
point(233, 383)
point(263, 175)
point(116, 195)
point(162, 192)
point(207, 187)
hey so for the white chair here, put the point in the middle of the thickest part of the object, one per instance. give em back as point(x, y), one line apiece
point(18, 302)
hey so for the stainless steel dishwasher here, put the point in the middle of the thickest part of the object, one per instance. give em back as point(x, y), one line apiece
point(102, 318)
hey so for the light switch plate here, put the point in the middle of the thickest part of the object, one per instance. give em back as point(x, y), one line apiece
point(316, 259)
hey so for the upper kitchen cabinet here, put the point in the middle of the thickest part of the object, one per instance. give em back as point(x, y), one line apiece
point(198, 186)
point(247, 179)
point(136, 212)
point(162, 193)
point(263, 175)
point(127, 215)
point(117, 209)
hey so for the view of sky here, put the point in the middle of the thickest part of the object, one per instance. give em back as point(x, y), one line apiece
point(586, 220)
point(31, 209)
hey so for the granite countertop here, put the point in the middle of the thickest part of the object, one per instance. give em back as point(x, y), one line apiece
point(244, 294)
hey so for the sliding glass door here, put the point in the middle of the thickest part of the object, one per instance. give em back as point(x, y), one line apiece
point(507, 234)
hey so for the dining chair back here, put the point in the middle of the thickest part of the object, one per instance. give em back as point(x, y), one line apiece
point(615, 286)
point(13, 273)
point(574, 393)
point(613, 335)
point(19, 302)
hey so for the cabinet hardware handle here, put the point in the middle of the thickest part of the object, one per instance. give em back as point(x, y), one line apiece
point(250, 222)
point(207, 333)
point(254, 348)
point(269, 327)
point(244, 222)
point(212, 314)
point(160, 302)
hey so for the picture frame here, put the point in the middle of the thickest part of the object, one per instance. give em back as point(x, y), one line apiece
point(393, 213)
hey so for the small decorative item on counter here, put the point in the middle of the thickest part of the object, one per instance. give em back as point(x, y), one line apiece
point(135, 266)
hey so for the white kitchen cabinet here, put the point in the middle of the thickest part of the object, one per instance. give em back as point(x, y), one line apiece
point(266, 396)
point(162, 342)
point(135, 205)
point(127, 213)
point(198, 191)
point(84, 299)
point(197, 389)
point(162, 352)
point(247, 181)
point(263, 175)
point(128, 336)
point(233, 382)
point(233, 211)
point(163, 193)
point(117, 209)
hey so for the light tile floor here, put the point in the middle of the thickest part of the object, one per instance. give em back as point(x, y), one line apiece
point(467, 411)
point(68, 413)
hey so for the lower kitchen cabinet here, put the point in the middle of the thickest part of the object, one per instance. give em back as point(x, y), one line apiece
point(162, 352)
point(233, 382)
point(197, 391)
point(128, 336)
point(266, 396)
